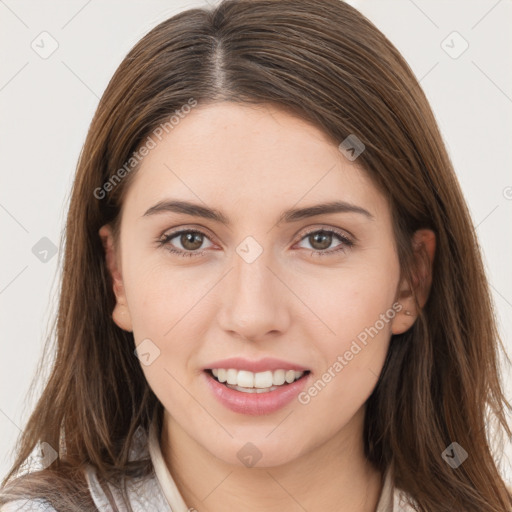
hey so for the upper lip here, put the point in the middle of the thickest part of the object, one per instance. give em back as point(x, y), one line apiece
point(261, 365)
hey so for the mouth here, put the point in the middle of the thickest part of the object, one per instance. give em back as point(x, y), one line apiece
point(263, 382)
point(244, 392)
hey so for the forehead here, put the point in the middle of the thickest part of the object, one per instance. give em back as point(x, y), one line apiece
point(248, 155)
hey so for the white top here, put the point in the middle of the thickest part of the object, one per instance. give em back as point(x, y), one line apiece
point(158, 491)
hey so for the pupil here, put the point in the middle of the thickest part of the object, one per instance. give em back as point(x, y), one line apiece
point(189, 238)
point(325, 236)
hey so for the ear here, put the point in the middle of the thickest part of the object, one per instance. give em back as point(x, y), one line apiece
point(121, 313)
point(424, 246)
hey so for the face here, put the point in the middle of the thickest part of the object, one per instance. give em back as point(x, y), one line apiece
point(315, 292)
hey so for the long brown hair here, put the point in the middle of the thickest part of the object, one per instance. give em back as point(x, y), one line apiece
point(324, 61)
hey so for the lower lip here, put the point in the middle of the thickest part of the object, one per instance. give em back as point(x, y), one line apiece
point(255, 403)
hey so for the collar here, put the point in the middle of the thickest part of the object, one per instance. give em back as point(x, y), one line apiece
point(386, 500)
point(176, 502)
point(163, 476)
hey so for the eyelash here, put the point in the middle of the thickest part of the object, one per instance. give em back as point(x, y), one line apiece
point(346, 242)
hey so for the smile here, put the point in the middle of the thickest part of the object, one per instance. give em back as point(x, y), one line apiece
point(259, 393)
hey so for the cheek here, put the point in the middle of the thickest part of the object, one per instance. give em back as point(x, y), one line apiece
point(167, 306)
point(349, 299)
point(355, 345)
point(355, 306)
point(161, 307)
point(350, 360)
point(159, 295)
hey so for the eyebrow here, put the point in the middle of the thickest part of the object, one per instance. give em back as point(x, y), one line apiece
point(287, 216)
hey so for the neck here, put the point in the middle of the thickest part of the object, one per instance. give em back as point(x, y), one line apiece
point(334, 476)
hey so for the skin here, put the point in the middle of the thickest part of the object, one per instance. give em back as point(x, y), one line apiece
point(251, 163)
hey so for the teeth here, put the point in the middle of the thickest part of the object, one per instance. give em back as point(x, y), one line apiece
point(261, 380)
point(231, 376)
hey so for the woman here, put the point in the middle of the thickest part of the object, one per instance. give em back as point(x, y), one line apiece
point(207, 358)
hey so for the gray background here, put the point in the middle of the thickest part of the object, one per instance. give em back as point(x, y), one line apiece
point(47, 104)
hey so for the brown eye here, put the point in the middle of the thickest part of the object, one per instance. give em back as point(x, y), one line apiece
point(190, 241)
point(321, 239)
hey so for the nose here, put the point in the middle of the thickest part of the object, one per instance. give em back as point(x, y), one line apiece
point(255, 301)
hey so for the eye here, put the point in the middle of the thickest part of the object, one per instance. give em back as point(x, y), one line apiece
point(190, 240)
point(323, 238)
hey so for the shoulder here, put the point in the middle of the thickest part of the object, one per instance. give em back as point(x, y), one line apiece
point(394, 498)
point(402, 502)
point(142, 493)
point(33, 505)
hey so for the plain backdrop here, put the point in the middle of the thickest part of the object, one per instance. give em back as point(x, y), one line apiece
point(460, 51)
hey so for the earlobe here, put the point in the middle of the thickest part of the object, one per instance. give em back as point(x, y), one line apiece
point(121, 317)
point(120, 314)
point(424, 245)
point(407, 314)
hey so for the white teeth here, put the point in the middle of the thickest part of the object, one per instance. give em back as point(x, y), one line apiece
point(252, 390)
point(260, 380)
point(231, 376)
point(245, 379)
point(278, 377)
point(290, 376)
